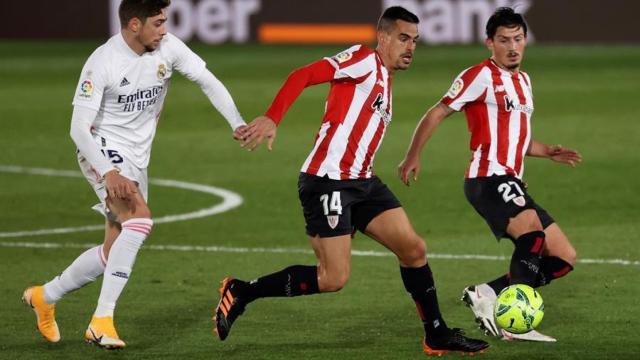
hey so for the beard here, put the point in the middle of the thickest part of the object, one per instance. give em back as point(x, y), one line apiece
point(513, 66)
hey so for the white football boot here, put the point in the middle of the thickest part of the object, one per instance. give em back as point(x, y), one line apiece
point(530, 336)
point(482, 299)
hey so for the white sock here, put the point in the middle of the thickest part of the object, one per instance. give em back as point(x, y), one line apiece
point(84, 269)
point(121, 259)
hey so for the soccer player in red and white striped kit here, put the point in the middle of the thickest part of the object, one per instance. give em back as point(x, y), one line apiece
point(338, 190)
point(497, 99)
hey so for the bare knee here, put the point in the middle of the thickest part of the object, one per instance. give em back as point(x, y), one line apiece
point(126, 209)
point(415, 254)
point(332, 281)
point(525, 222)
point(139, 212)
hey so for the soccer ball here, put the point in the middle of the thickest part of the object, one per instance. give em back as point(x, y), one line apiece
point(519, 309)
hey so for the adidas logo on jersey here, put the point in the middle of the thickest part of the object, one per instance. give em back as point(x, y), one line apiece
point(124, 82)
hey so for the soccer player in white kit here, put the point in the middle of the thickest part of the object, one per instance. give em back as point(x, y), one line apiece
point(117, 104)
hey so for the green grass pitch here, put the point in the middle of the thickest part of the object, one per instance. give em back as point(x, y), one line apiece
point(586, 97)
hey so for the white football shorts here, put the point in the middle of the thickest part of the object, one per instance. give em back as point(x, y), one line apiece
point(119, 158)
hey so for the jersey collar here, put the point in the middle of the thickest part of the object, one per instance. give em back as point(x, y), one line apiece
point(507, 72)
point(124, 47)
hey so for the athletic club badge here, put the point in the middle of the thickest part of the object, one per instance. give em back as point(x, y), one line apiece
point(519, 201)
point(333, 220)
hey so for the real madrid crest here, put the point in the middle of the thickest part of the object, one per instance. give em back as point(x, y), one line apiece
point(162, 71)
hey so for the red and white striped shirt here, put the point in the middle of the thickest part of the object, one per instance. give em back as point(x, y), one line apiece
point(498, 105)
point(357, 112)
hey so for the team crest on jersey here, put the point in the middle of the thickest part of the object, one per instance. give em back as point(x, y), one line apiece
point(343, 56)
point(520, 201)
point(455, 89)
point(333, 220)
point(86, 89)
point(162, 71)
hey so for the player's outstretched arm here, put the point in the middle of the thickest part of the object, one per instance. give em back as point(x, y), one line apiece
point(264, 127)
point(259, 129)
point(426, 127)
point(557, 153)
point(221, 99)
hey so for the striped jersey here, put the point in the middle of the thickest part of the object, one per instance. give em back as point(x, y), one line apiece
point(357, 113)
point(498, 106)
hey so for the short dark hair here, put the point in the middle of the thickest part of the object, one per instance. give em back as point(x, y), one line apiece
point(507, 17)
point(141, 9)
point(388, 18)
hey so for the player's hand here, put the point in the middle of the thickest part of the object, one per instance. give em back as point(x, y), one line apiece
point(408, 166)
point(564, 155)
point(240, 132)
point(118, 186)
point(259, 129)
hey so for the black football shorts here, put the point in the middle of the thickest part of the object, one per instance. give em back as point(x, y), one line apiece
point(499, 198)
point(340, 207)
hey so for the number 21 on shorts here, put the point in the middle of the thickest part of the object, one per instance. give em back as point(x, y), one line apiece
point(507, 191)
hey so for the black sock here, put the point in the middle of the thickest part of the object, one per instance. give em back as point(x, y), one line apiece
point(419, 283)
point(525, 262)
point(500, 283)
point(552, 267)
point(295, 280)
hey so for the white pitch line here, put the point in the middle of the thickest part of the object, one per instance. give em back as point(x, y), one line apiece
point(230, 200)
point(276, 250)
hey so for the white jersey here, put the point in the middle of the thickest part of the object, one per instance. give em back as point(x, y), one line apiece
point(128, 91)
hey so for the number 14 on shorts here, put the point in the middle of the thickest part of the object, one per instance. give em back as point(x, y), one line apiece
point(332, 204)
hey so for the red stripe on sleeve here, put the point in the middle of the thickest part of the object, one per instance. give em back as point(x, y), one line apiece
point(316, 73)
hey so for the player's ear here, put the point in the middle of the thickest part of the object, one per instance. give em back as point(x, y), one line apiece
point(489, 43)
point(135, 24)
point(382, 37)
